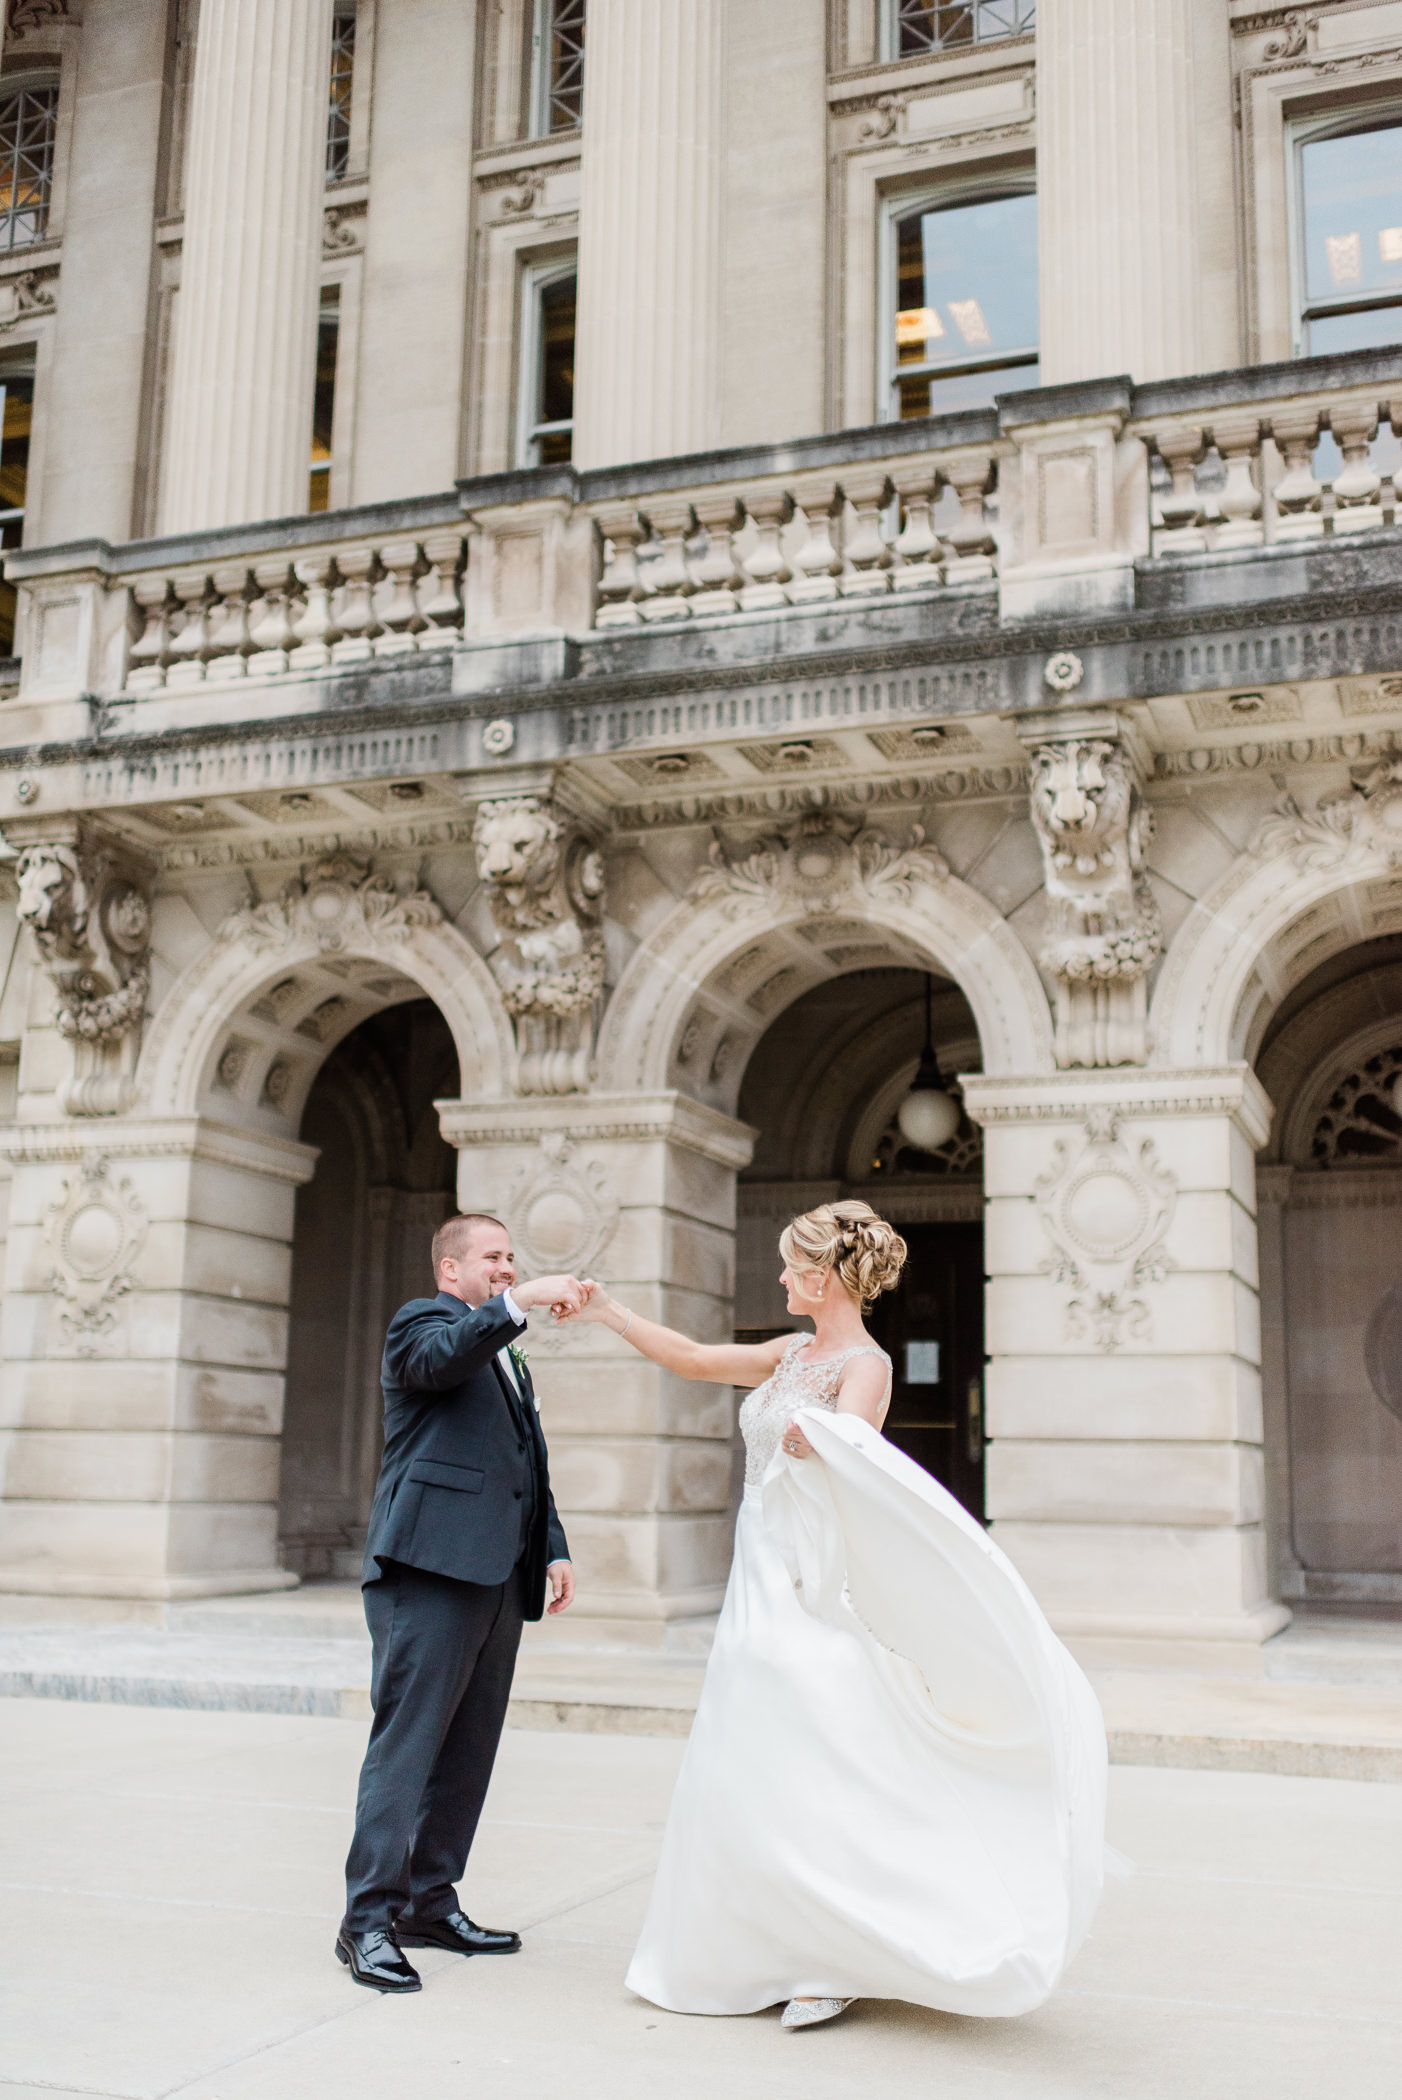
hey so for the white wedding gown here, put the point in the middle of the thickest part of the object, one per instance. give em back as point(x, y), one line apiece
point(895, 1784)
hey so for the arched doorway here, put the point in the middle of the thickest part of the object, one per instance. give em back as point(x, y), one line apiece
point(1330, 1188)
point(822, 1087)
point(384, 1181)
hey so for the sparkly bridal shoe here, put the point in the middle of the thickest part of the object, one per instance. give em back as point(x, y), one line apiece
point(808, 2012)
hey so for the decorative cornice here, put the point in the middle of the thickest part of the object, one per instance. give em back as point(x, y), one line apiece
point(172, 1137)
point(1137, 1092)
point(906, 791)
point(272, 848)
point(602, 1119)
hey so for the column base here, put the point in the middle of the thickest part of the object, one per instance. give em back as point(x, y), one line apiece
point(1228, 1646)
point(147, 1589)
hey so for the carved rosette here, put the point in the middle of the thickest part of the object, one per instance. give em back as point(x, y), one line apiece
point(821, 864)
point(544, 882)
point(1104, 933)
point(87, 906)
point(339, 905)
point(96, 1230)
point(1106, 1209)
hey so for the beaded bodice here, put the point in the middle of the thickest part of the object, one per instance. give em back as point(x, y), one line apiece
point(795, 1382)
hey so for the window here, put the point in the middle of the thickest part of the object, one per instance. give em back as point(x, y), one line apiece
point(28, 119)
point(328, 335)
point(16, 417)
point(547, 368)
point(557, 67)
point(962, 321)
point(1348, 246)
point(338, 121)
point(913, 27)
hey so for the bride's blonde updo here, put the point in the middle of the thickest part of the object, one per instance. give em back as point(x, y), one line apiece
point(867, 1253)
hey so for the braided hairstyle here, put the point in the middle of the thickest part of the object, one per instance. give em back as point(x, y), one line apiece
point(866, 1253)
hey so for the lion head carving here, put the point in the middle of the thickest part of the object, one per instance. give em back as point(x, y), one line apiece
point(518, 843)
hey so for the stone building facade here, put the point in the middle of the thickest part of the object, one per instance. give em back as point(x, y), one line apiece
point(568, 563)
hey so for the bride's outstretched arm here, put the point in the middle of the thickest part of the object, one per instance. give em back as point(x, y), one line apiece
point(720, 1363)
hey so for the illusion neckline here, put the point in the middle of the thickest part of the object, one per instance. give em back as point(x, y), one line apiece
point(855, 1350)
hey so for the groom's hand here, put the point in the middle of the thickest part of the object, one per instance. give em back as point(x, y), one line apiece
point(561, 1586)
point(550, 1290)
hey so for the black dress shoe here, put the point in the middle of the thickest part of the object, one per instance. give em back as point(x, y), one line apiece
point(374, 1960)
point(456, 1932)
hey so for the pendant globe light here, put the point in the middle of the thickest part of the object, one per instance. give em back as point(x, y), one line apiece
point(929, 1115)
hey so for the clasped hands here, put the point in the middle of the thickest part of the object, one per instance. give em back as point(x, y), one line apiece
point(566, 1296)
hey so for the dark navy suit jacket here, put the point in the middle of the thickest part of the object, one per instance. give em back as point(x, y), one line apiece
point(465, 1457)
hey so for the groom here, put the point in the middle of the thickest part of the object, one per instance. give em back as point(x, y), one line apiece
point(463, 1537)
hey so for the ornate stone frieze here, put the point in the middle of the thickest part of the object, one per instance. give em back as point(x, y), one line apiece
point(544, 880)
point(967, 783)
point(88, 909)
point(1106, 1209)
point(340, 905)
point(1361, 824)
point(1104, 932)
point(562, 1213)
point(96, 1230)
point(823, 863)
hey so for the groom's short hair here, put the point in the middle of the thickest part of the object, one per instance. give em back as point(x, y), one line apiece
point(452, 1237)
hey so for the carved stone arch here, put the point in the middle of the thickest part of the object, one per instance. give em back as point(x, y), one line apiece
point(929, 920)
point(1314, 881)
point(197, 1027)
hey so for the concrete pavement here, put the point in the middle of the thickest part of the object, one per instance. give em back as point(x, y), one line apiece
point(171, 1883)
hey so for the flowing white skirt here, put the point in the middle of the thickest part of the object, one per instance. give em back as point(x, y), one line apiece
point(895, 1784)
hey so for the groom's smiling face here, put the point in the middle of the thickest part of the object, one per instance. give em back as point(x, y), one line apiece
point(485, 1267)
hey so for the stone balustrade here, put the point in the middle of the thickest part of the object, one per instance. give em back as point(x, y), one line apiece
point(1055, 505)
point(305, 613)
point(864, 531)
point(1265, 473)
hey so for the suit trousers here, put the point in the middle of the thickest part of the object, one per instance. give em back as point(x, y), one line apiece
point(443, 1657)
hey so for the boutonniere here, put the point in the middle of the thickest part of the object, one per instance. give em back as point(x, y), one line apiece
point(519, 1358)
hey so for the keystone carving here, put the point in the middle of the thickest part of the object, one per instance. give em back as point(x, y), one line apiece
point(1104, 932)
point(90, 916)
point(821, 864)
point(545, 884)
point(340, 905)
point(1363, 823)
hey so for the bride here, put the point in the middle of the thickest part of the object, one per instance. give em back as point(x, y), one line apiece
point(894, 1786)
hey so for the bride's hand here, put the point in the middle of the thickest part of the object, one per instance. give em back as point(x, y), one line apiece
point(594, 1309)
point(795, 1442)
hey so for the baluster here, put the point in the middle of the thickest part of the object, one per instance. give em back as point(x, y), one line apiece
point(270, 623)
point(356, 614)
point(818, 562)
point(1238, 439)
point(229, 643)
point(769, 511)
point(191, 644)
point(1298, 496)
point(971, 476)
point(440, 594)
point(670, 574)
point(868, 490)
point(316, 629)
point(620, 586)
point(1357, 485)
point(400, 616)
point(1181, 507)
point(717, 574)
point(917, 544)
point(148, 655)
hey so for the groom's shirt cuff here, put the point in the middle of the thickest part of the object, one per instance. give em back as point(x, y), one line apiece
point(513, 1308)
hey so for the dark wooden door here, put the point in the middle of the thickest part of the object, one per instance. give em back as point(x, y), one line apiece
point(931, 1325)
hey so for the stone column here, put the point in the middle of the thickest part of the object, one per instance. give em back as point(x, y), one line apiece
point(99, 380)
point(639, 1191)
point(1134, 169)
point(408, 423)
point(1125, 1471)
point(648, 365)
point(145, 1340)
point(238, 430)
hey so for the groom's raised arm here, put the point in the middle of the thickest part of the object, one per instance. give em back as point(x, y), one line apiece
point(430, 1348)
